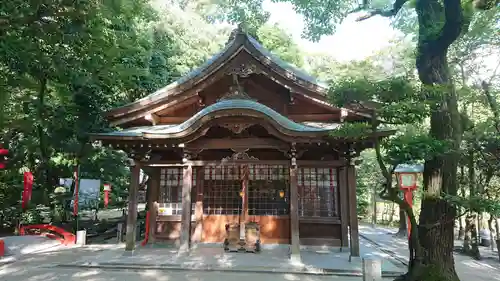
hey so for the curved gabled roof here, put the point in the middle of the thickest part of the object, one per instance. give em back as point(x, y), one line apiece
point(185, 128)
point(241, 41)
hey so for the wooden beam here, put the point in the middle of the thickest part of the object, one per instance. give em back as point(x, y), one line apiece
point(154, 191)
point(173, 119)
point(132, 208)
point(294, 216)
point(164, 111)
point(321, 102)
point(181, 100)
point(187, 183)
point(198, 209)
point(153, 118)
point(344, 211)
point(244, 143)
point(353, 213)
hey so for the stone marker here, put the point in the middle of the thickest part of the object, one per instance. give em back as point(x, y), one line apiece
point(81, 237)
point(372, 269)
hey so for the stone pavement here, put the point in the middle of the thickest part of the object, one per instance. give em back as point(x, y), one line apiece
point(467, 268)
point(272, 259)
point(17, 247)
point(82, 274)
point(69, 264)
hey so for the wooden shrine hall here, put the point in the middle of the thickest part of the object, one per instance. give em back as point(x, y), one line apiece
point(245, 138)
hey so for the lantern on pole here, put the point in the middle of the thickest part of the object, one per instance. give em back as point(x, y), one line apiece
point(107, 189)
point(407, 178)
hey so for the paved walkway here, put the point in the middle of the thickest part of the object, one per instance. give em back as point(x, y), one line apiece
point(272, 259)
point(467, 268)
point(316, 265)
point(107, 262)
point(58, 274)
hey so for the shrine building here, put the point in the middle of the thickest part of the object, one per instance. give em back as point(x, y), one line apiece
point(244, 138)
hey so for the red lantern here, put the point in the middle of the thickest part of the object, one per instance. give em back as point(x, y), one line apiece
point(408, 183)
point(107, 189)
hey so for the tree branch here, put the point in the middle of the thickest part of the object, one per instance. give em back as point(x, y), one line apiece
point(454, 23)
point(385, 13)
point(492, 103)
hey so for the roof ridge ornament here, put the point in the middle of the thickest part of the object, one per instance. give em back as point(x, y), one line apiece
point(240, 30)
point(236, 91)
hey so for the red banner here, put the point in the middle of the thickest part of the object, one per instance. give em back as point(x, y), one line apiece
point(107, 189)
point(106, 198)
point(28, 187)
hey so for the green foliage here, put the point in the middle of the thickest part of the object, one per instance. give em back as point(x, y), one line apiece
point(413, 149)
point(278, 41)
point(321, 17)
point(353, 130)
point(249, 14)
point(368, 179)
point(397, 100)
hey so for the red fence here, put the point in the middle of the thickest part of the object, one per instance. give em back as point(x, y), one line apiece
point(48, 230)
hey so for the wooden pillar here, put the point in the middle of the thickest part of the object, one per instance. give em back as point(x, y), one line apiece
point(198, 209)
point(153, 202)
point(187, 183)
point(244, 201)
point(344, 210)
point(130, 237)
point(294, 213)
point(353, 211)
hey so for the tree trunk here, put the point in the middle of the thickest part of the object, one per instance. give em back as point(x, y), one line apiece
point(392, 212)
point(437, 216)
point(474, 251)
point(402, 232)
point(461, 230)
point(492, 232)
point(468, 233)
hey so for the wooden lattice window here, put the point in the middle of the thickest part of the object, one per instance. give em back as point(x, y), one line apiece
point(268, 190)
point(221, 190)
point(318, 192)
point(170, 201)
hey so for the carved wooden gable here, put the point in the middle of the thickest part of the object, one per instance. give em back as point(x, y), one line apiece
point(246, 79)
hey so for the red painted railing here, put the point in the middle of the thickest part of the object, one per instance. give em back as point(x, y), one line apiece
point(48, 230)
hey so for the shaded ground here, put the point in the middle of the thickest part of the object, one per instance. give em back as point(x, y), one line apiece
point(46, 274)
point(204, 263)
point(467, 268)
point(45, 266)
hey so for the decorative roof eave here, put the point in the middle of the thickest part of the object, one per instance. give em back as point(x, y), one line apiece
point(225, 108)
point(196, 78)
point(184, 83)
point(282, 68)
point(199, 123)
